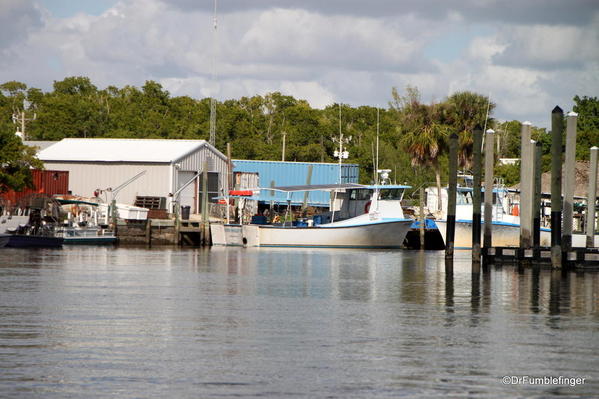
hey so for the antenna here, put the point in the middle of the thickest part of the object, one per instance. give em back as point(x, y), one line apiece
point(377, 139)
point(213, 94)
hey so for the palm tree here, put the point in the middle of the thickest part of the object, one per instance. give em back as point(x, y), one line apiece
point(423, 131)
point(465, 110)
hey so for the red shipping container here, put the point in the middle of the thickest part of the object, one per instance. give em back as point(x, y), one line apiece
point(49, 182)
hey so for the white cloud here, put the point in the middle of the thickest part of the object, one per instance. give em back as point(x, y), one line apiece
point(334, 51)
point(549, 47)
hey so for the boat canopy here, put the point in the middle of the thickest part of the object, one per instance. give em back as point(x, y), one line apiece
point(332, 187)
point(315, 187)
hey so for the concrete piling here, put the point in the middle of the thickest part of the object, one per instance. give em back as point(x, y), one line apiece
point(591, 198)
point(569, 181)
point(536, 208)
point(451, 194)
point(526, 186)
point(476, 193)
point(489, 179)
point(557, 121)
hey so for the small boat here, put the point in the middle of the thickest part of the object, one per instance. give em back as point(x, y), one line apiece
point(27, 231)
point(93, 235)
point(370, 217)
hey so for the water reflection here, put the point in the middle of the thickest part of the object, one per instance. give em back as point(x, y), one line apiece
point(288, 322)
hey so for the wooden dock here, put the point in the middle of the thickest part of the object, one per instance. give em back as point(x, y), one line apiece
point(580, 258)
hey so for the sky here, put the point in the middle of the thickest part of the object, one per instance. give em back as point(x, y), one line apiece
point(527, 55)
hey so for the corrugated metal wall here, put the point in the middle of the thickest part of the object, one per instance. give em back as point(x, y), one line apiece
point(86, 177)
point(160, 178)
point(49, 182)
point(296, 173)
point(194, 162)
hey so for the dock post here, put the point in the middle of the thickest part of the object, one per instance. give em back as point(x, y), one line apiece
point(149, 233)
point(526, 166)
point(451, 194)
point(591, 198)
point(421, 217)
point(557, 122)
point(203, 230)
point(489, 178)
point(476, 193)
point(536, 204)
point(569, 181)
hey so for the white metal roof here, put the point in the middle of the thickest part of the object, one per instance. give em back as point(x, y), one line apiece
point(122, 150)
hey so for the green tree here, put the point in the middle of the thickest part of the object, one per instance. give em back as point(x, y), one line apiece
point(422, 130)
point(16, 162)
point(465, 110)
point(587, 126)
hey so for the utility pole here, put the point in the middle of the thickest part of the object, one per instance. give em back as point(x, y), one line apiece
point(19, 118)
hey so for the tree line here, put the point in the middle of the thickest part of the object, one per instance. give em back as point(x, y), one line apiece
point(412, 134)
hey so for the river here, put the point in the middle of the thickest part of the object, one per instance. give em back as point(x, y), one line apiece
point(93, 322)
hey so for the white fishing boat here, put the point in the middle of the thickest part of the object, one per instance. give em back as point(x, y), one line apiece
point(505, 221)
point(369, 217)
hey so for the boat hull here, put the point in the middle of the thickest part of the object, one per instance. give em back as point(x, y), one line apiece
point(373, 235)
point(503, 235)
point(4, 238)
point(33, 241)
point(90, 240)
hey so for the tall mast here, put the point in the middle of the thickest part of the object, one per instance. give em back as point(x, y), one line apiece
point(213, 94)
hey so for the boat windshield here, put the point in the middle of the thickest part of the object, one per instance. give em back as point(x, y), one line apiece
point(391, 194)
point(464, 198)
point(362, 194)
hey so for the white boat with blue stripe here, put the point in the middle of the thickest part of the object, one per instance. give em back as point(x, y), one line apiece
point(362, 216)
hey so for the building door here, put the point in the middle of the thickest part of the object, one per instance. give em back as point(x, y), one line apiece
point(187, 196)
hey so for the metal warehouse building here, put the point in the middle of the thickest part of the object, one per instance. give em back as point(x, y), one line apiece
point(283, 173)
point(100, 164)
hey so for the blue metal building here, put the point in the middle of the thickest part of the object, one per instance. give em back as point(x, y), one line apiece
point(282, 173)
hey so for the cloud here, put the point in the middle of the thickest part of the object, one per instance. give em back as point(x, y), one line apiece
point(571, 12)
point(17, 19)
point(549, 47)
point(529, 55)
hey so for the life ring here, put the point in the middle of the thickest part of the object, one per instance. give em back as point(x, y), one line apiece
point(367, 207)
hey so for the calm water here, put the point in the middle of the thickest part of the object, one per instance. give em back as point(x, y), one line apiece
point(224, 323)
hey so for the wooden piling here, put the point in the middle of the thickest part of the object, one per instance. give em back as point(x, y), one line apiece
point(536, 203)
point(149, 233)
point(451, 194)
point(557, 121)
point(204, 228)
point(591, 198)
point(489, 178)
point(476, 193)
point(526, 186)
point(421, 217)
point(569, 181)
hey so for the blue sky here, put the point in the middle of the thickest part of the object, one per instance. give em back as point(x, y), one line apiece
point(530, 56)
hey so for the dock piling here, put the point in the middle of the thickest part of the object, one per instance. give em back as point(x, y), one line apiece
point(536, 208)
point(421, 217)
point(557, 121)
point(476, 193)
point(204, 229)
point(451, 194)
point(526, 186)
point(569, 181)
point(489, 179)
point(591, 198)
